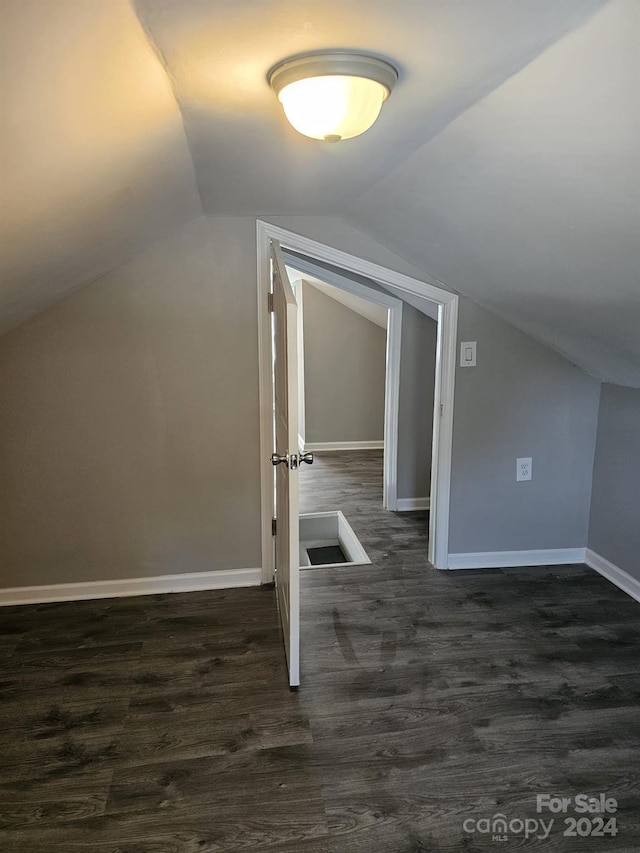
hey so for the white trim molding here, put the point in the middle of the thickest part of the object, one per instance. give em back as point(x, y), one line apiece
point(515, 559)
point(302, 413)
point(187, 582)
point(412, 504)
point(344, 445)
point(391, 428)
point(623, 580)
point(447, 303)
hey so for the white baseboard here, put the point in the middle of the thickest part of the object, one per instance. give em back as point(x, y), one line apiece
point(506, 559)
point(344, 445)
point(187, 582)
point(626, 582)
point(411, 504)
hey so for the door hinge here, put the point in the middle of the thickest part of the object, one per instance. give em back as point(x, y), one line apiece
point(270, 303)
point(273, 526)
point(441, 409)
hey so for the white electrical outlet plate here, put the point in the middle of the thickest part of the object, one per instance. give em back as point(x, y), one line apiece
point(468, 354)
point(523, 468)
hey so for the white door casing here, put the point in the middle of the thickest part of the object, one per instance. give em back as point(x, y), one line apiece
point(447, 303)
point(285, 460)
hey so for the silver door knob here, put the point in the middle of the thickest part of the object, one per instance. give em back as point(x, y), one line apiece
point(276, 459)
point(307, 457)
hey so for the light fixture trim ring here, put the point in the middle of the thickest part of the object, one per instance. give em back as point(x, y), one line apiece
point(346, 63)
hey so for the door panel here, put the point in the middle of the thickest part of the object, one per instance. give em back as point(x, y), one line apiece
point(287, 556)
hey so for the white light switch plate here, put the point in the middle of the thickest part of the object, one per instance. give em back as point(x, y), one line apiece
point(523, 468)
point(468, 354)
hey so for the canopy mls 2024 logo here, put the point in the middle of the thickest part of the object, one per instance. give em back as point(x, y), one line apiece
point(581, 815)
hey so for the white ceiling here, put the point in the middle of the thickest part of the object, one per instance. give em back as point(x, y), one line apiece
point(93, 155)
point(505, 163)
point(530, 202)
point(249, 160)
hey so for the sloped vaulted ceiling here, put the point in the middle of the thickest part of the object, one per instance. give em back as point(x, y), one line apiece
point(249, 160)
point(94, 162)
point(505, 163)
point(530, 201)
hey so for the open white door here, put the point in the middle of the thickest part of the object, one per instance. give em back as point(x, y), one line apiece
point(286, 460)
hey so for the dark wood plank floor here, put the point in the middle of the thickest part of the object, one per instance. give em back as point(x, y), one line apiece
point(163, 724)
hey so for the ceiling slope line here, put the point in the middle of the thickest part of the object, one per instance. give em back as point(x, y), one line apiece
point(492, 85)
point(162, 61)
point(57, 299)
point(427, 276)
point(497, 313)
point(347, 300)
point(528, 205)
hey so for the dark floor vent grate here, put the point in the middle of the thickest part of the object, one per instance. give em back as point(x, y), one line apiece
point(326, 554)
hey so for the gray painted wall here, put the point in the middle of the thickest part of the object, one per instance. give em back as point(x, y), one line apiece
point(415, 420)
point(614, 530)
point(522, 399)
point(129, 430)
point(345, 368)
point(344, 365)
point(129, 434)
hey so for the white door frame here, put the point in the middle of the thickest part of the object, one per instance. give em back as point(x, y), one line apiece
point(444, 380)
point(392, 373)
point(302, 419)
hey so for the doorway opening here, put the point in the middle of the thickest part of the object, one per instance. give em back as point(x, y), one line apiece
point(349, 367)
point(279, 388)
point(307, 254)
point(349, 391)
point(366, 372)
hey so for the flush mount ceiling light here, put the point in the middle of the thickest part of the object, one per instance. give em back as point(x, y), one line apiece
point(332, 95)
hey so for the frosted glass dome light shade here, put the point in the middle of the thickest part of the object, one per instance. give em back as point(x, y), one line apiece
point(332, 107)
point(332, 96)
